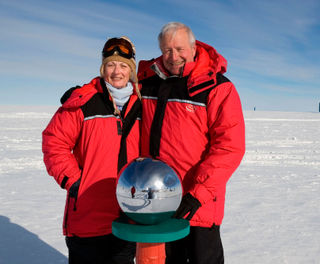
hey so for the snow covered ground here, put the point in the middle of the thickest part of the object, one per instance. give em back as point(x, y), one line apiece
point(272, 205)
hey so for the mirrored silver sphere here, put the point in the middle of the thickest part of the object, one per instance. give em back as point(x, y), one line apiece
point(148, 191)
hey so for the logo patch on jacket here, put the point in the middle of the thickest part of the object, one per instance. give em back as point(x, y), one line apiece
point(190, 108)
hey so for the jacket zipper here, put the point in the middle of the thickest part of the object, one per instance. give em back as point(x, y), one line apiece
point(66, 216)
point(76, 198)
point(75, 203)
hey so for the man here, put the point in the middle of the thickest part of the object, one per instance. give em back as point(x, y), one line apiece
point(192, 120)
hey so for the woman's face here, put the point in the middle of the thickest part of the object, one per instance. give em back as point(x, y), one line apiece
point(117, 73)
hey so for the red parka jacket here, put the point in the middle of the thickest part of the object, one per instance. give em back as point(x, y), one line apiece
point(195, 124)
point(83, 141)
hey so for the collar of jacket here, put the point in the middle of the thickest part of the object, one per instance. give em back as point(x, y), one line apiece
point(83, 94)
point(207, 64)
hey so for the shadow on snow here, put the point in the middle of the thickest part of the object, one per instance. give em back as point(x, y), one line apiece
point(18, 245)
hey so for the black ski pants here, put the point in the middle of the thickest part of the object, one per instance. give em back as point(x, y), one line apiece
point(100, 250)
point(201, 246)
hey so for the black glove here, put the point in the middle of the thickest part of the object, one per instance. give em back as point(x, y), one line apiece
point(73, 191)
point(189, 204)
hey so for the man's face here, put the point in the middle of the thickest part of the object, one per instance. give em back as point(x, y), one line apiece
point(177, 50)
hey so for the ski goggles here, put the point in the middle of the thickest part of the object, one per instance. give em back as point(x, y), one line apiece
point(122, 46)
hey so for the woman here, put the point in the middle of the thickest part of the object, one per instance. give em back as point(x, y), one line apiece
point(88, 140)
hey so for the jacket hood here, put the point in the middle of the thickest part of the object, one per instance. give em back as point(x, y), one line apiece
point(208, 62)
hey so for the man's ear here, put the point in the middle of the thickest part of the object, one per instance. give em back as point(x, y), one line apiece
point(194, 50)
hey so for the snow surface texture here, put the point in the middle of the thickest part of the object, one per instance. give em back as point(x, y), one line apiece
point(272, 202)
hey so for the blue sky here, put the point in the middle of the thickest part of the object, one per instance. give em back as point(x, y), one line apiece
point(272, 47)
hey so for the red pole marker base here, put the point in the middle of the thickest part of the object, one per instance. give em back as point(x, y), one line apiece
point(150, 253)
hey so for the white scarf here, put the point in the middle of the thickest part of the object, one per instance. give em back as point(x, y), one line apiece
point(120, 95)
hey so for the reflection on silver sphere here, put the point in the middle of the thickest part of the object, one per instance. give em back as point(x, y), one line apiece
point(148, 191)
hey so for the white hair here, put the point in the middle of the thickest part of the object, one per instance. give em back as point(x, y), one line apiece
point(173, 27)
